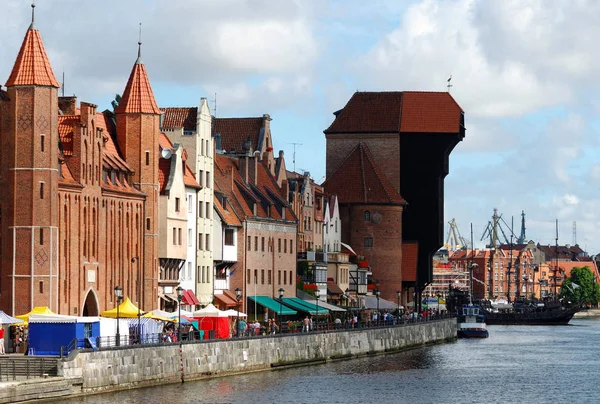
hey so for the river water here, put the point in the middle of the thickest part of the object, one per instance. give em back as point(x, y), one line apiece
point(516, 364)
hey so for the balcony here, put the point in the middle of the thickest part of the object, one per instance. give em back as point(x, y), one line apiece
point(312, 256)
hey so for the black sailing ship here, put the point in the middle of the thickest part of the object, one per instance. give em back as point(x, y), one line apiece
point(521, 312)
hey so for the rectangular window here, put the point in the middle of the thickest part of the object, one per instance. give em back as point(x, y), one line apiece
point(248, 273)
point(249, 243)
point(279, 277)
point(207, 243)
point(147, 223)
point(147, 158)
point(285, 277)
point(201, 177)
point(256, 276)
point(174, 236)
point(189, 237)
point(279, 245)
point(291, 248)
point(179, 234)
point(41, 286)
point(200, 241)
point(189, 271)
point(41, 236)
point(176, 204)
point(269, 277)
point(284, 246)
point(208, 210)
point(255, 243)
point(229, 237)
point(190, 203)
point(262, 276)
point(41, 190)
point(208, 179)
point(42, 141)
point(368, 242)
point(291, 283)
point(198, 274)
point(262, 244)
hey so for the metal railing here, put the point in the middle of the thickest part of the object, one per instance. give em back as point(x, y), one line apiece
point(12, 367)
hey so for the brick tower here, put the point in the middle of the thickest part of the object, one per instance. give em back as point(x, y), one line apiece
point(138, 129)
point(29, 181)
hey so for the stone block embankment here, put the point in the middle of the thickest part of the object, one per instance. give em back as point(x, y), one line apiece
point(144, 366)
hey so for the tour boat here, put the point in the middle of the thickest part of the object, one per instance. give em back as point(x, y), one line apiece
point(471, 323)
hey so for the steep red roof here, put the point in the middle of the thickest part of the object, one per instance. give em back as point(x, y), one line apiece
point(138, 96)
point(406, 112)
point(66, 125)
point(164, 170)
point(180, 118)
point(410, 254)
point(228, 215)
point(189, 179)
point(32, 66)
point(235, 131)
point(359, 179)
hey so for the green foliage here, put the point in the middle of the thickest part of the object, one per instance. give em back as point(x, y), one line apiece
point(580, 287)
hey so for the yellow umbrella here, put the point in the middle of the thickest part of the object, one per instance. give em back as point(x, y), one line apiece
point(151, 315)
point(35, 310)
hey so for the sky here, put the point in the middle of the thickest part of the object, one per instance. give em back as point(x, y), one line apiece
point(524, 71)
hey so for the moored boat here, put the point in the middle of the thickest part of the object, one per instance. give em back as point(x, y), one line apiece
point(548, 312)
point(471, 323)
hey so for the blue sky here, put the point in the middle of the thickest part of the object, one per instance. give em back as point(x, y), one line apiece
point(524, 71)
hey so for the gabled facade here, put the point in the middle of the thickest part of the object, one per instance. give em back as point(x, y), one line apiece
point(192, 126)
point(79, 202)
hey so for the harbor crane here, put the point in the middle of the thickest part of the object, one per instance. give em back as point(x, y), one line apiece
point(494, 231)
point(454, 241)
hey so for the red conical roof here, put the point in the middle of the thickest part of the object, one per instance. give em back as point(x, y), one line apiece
point(138, 96)
point(32, 66)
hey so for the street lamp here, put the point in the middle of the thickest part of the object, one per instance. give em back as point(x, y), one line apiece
point(377, 293)
point(399, 294)
point(438, 294)
point(281, 291)
point(119, 296)
point(347, 295)
point(238, 296)
point(179, 297)
point(317, 295)
point(139, 300)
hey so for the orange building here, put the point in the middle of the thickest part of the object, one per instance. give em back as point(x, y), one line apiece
point(79, 207)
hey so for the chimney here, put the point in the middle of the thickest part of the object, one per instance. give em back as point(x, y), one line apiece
point(245, 168)
point(67, 105)
point(218, 142)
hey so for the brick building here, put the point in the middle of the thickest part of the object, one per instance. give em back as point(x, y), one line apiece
point(79, 207)
point(387, 156)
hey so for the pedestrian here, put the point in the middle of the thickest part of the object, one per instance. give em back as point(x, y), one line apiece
point(273, 326)
point(1, 339)
point(305, 324)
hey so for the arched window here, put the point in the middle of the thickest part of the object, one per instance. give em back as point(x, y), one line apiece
point(367, 216)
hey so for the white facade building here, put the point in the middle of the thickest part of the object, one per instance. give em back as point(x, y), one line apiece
point(332, 229)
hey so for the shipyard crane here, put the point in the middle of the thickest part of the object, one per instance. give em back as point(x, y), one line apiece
point(495, 233)
point(454, 241)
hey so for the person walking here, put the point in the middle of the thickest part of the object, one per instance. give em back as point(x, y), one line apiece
point(2, 340)
point(305, 324)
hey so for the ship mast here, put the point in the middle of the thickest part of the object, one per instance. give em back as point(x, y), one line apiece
point(510, 262)
point(471, 269)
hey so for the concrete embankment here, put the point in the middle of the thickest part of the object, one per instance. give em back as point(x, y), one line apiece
point(588, 313)
point(115, 369)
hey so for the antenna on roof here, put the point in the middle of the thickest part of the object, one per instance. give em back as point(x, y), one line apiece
point(63, 84)
point(449, 85)
point(215, 108)
point(294, 155)
point(139, 58)
point(32, 26)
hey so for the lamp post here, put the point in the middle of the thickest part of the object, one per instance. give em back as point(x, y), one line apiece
point(438, 295)
point(281, 292)
point(139, 300)
point(399, 294)
point(238, 296)
point(347, 295)
point(377, 293)
point(317, 295)
point(119, 296)
point(179, 297)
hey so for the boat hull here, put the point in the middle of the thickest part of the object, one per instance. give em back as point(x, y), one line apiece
point(467, 333)
point(557, 316)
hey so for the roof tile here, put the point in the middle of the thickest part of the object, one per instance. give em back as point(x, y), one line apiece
point(138, 96)
point(32, 66)
point(235, 131)
point(176, 117)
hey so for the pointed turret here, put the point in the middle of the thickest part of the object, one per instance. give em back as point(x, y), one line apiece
point(32, 67)
point(138, 96)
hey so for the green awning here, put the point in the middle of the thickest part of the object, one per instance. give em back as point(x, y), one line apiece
point(273, 305)
point(304, 306)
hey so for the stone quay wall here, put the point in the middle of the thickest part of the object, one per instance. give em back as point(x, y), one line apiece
point(152, 365)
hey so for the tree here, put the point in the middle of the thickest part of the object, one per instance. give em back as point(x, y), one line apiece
point(580, 286)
